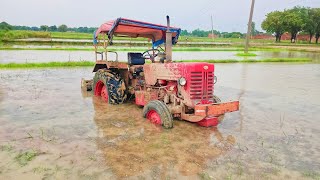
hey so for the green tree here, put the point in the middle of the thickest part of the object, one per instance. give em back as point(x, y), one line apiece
point(295, 21)
point(44, 28)
point(21, 28)
point(274, 23)
point(184, 33)
point(310, 26)
point(5, 26)
point(316, 21)
point(53, 28)
point(63, 28)
point(200, 33)
point(253, 29)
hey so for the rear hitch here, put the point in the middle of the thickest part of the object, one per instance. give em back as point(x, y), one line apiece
point(86, 84)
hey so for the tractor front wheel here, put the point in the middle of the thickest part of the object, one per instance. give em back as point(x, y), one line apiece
point(158, 113)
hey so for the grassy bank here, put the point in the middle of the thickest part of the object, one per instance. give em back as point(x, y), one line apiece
point(252, 60)
point(48, 64)
point(21, 34)
point(91, 63)
point(123, 49)
point(140, 49)
point(246, 54)
point(11, 35)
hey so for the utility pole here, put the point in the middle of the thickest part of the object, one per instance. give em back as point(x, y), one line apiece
point(249, 27)
point(212, 28)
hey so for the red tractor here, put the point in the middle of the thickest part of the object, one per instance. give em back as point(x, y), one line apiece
point(165, 89)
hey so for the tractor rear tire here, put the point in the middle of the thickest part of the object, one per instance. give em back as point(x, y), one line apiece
point(158, 113)
point(216, 99)
point(115, 90)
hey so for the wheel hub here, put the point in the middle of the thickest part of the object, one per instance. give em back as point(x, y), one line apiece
point(154, 117)
point(104, 93)
point(101, 90)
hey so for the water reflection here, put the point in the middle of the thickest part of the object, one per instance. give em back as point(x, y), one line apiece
point(62, 56)
point(132, 146)
point(241, 94)
point(1, 95)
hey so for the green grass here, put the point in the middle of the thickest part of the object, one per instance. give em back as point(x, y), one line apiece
point(8, 147)
point(11, 35)
point(312, 175)
point(78, 35)
point(88, 36)
point(204, 176)
point(21, 34)
point(25, 157)
point(121, 49)
point(91, 64)
point(71, 35)
point(140, 49)
point(246, 54)
point(252, 60)
point(48, 64)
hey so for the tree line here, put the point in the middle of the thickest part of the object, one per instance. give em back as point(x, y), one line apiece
point(54, 28)
point(64, 28)
point(296, 20)
point(204, 33)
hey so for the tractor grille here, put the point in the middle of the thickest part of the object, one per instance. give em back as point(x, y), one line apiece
point(201, 85)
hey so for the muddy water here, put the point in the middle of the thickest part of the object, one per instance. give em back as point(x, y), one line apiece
point(275, 135)
point(22, 56)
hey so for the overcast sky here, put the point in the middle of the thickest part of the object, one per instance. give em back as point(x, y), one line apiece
point(228, 15)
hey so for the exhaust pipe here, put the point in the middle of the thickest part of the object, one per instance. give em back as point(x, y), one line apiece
point(168, 42)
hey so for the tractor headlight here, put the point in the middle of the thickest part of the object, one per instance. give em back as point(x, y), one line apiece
point(182, 81)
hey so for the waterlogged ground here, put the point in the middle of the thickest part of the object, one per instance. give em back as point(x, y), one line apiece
point(50, 129)
point(23, 56)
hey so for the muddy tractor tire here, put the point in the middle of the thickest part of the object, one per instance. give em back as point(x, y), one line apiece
point(110, 86)
point(216, 99)
point(158, 113)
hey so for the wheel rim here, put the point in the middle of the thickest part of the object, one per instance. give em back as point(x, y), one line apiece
point(101, 90)
point(154, 117)
point(104, 93)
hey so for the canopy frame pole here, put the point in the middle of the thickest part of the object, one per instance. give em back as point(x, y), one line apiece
point(168, 42)
point(96, 50)
point(105, 46)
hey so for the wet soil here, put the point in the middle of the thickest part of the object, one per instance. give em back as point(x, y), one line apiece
point(72, 134)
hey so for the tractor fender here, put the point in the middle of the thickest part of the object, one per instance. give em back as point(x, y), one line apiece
point(99, 66)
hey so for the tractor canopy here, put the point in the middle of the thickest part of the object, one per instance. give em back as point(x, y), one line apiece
point(131, 28)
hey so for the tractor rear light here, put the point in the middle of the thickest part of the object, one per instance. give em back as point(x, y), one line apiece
point(182, 81)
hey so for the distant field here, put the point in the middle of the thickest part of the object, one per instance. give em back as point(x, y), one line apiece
point(139, 49)
point(9, 36)
point(71, 35)
point(74, 35)
point(90, 63)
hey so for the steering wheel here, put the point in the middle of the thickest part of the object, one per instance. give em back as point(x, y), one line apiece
point(151, 54)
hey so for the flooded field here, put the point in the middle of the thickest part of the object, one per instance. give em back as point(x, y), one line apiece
point(51, 129)
point(22, 56)
point(133, 40)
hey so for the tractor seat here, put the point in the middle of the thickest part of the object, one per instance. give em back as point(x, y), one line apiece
point(135, 59)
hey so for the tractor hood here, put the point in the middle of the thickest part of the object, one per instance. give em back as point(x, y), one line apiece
point(134, 29)
point(199, 79)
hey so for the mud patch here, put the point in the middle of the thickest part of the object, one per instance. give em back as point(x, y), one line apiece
point(62, 132)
